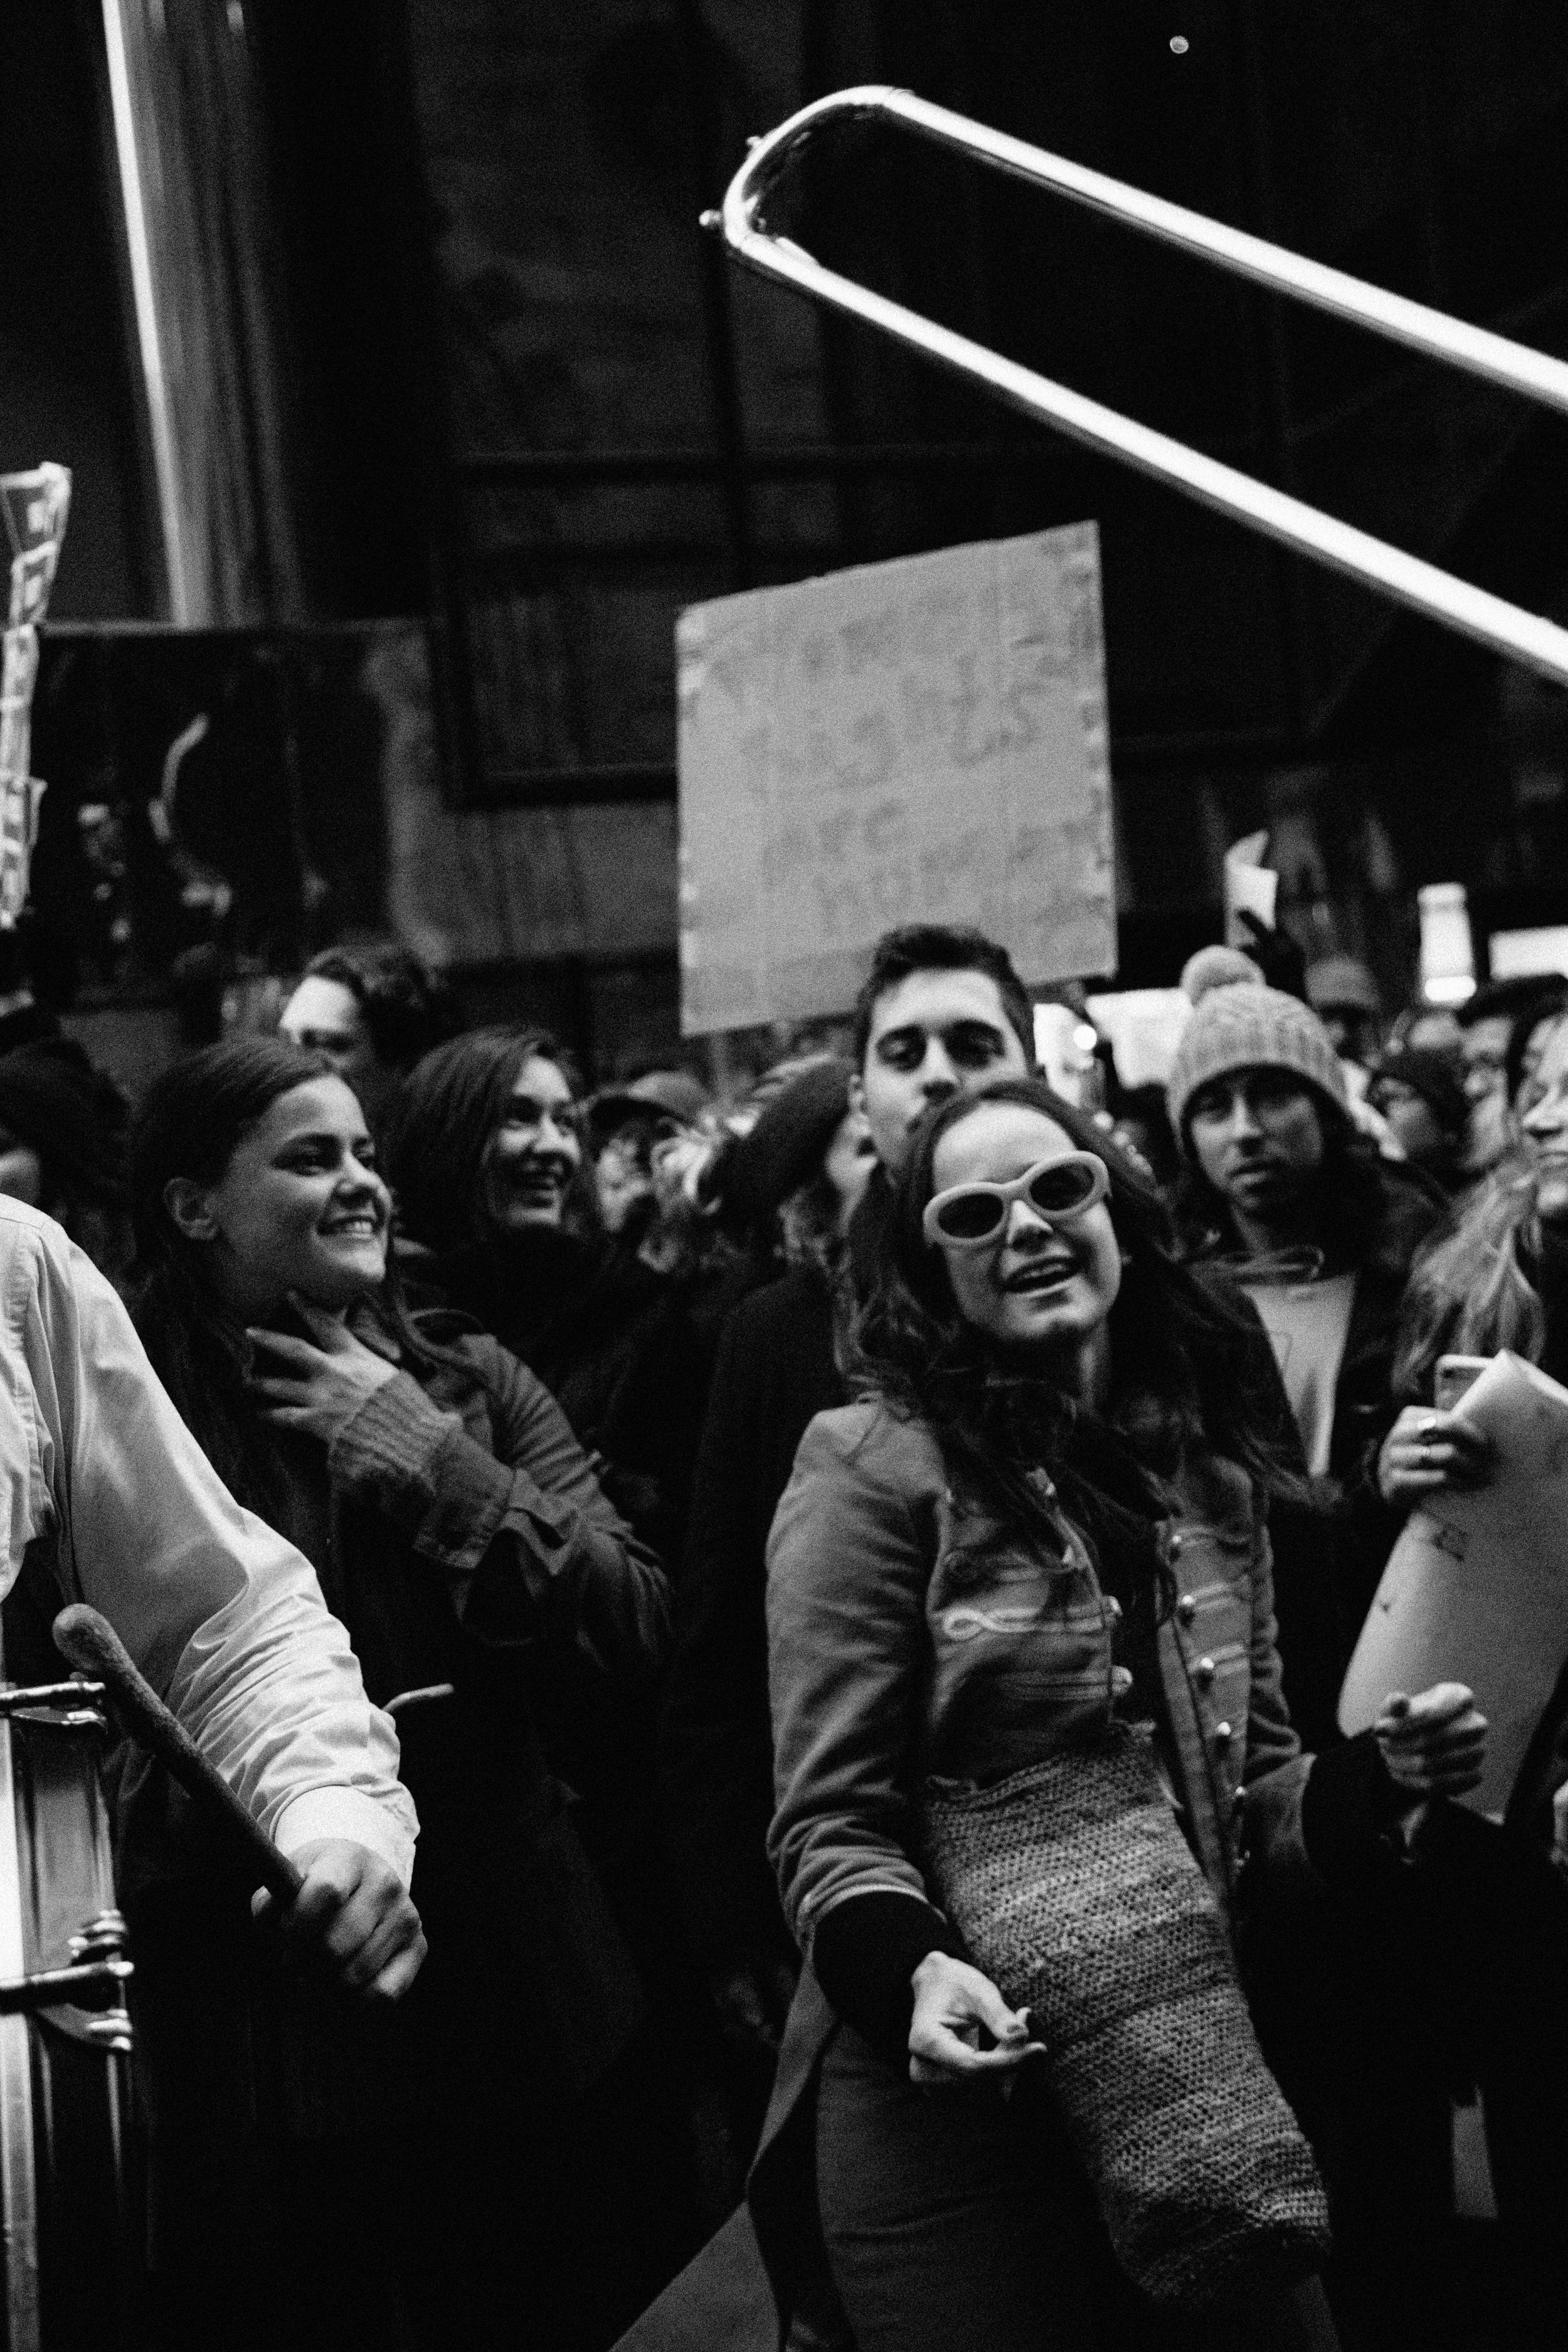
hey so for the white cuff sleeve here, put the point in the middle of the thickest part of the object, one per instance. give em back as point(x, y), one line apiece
point(345, 1813)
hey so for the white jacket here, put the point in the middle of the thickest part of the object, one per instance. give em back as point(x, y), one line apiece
point(224, 1618)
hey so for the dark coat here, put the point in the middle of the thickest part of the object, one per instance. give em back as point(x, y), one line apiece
point(1329, 1552)
point(621, 1347)
point(775, 1370)
point(459, 1534)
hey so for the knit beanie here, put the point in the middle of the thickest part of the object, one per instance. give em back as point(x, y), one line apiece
point(1246, 1026)
point(789, 1141)
point(1217, 967)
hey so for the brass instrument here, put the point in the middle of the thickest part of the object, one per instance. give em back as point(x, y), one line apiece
point(1490, 620)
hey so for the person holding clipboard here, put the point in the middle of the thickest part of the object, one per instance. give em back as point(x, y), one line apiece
point(1490, 1898)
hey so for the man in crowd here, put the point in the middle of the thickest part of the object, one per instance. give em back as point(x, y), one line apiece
point(373, 1011)
point(108, 1499)
point(1343, 994)
point(1281, 1196)
point(941, 1012)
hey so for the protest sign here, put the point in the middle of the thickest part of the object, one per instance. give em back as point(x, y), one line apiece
point(916, 741)
point(35, 505)
point(1144, 1026)
point(1250, 888)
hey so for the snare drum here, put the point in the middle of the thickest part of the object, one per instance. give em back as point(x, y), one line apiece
point(64, 2035)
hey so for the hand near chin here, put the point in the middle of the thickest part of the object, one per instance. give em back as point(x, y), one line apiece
point(315, 1385)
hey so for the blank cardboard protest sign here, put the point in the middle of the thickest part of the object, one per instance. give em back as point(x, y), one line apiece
point(916, 741)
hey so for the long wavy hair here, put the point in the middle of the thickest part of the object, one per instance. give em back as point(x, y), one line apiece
point(440, 1127)
point(1473, 1289)
point(1177, 1353)
point(192, 1119)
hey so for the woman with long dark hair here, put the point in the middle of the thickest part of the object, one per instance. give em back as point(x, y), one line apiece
point(485, 1153)
point(495, 1195)
point(1036, 1548)
point(458, 1531)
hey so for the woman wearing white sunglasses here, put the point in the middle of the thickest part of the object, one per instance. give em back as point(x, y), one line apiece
point(1043, 1524)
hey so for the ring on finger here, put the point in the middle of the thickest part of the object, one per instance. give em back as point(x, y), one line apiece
point(1426, 1425)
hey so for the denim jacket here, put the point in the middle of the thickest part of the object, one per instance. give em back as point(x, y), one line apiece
point(910, 1632)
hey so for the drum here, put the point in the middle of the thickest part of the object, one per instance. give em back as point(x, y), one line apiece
point(64, 2035)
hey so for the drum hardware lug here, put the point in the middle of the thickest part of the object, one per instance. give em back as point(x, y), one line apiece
point(93, 1984)
point(69, 1706)
point(110, 2032)
point(104, 1938)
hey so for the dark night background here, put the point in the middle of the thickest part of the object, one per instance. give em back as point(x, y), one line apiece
point(531, 412)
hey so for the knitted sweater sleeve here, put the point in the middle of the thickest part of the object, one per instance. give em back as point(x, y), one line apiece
point(527, 1541)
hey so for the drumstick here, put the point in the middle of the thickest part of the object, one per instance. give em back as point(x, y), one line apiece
point(94, 1647)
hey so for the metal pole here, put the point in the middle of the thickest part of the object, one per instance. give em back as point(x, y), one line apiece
point(1489, 620)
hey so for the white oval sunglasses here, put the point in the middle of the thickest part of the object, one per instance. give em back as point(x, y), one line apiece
point(972, 1216)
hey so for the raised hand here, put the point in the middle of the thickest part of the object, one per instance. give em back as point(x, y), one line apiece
point(318, 1384)
point(1426, 1450)
point(1434, 1743)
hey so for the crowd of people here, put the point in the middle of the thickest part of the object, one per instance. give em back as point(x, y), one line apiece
point(775, 1529)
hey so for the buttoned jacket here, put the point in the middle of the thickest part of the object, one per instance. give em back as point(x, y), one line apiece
point(914, 1632)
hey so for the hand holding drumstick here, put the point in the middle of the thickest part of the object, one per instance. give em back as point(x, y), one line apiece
point(335, 1896)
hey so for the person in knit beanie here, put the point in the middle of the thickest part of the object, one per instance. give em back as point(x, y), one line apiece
point(1281, 1195)
point(1240, 1025)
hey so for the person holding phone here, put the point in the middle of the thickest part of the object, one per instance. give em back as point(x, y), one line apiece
point(1045, 1512)
point(460, 1534)
point(1490, 1961)
point(1498, 1278)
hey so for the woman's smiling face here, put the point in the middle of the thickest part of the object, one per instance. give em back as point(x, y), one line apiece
point(300, 1205)
point(1045, 1286)
point(533, 1154)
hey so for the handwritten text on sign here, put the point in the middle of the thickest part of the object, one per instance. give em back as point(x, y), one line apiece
point(916, 741)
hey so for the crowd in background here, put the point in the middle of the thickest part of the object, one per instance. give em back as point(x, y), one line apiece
point(574, 1399)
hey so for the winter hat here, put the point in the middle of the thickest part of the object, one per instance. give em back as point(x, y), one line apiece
point(1217, 967)
point(1341, 984)
point(657, 1095)
point(1246, 1026)
point(787, 1144)
point(1427, 1071)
